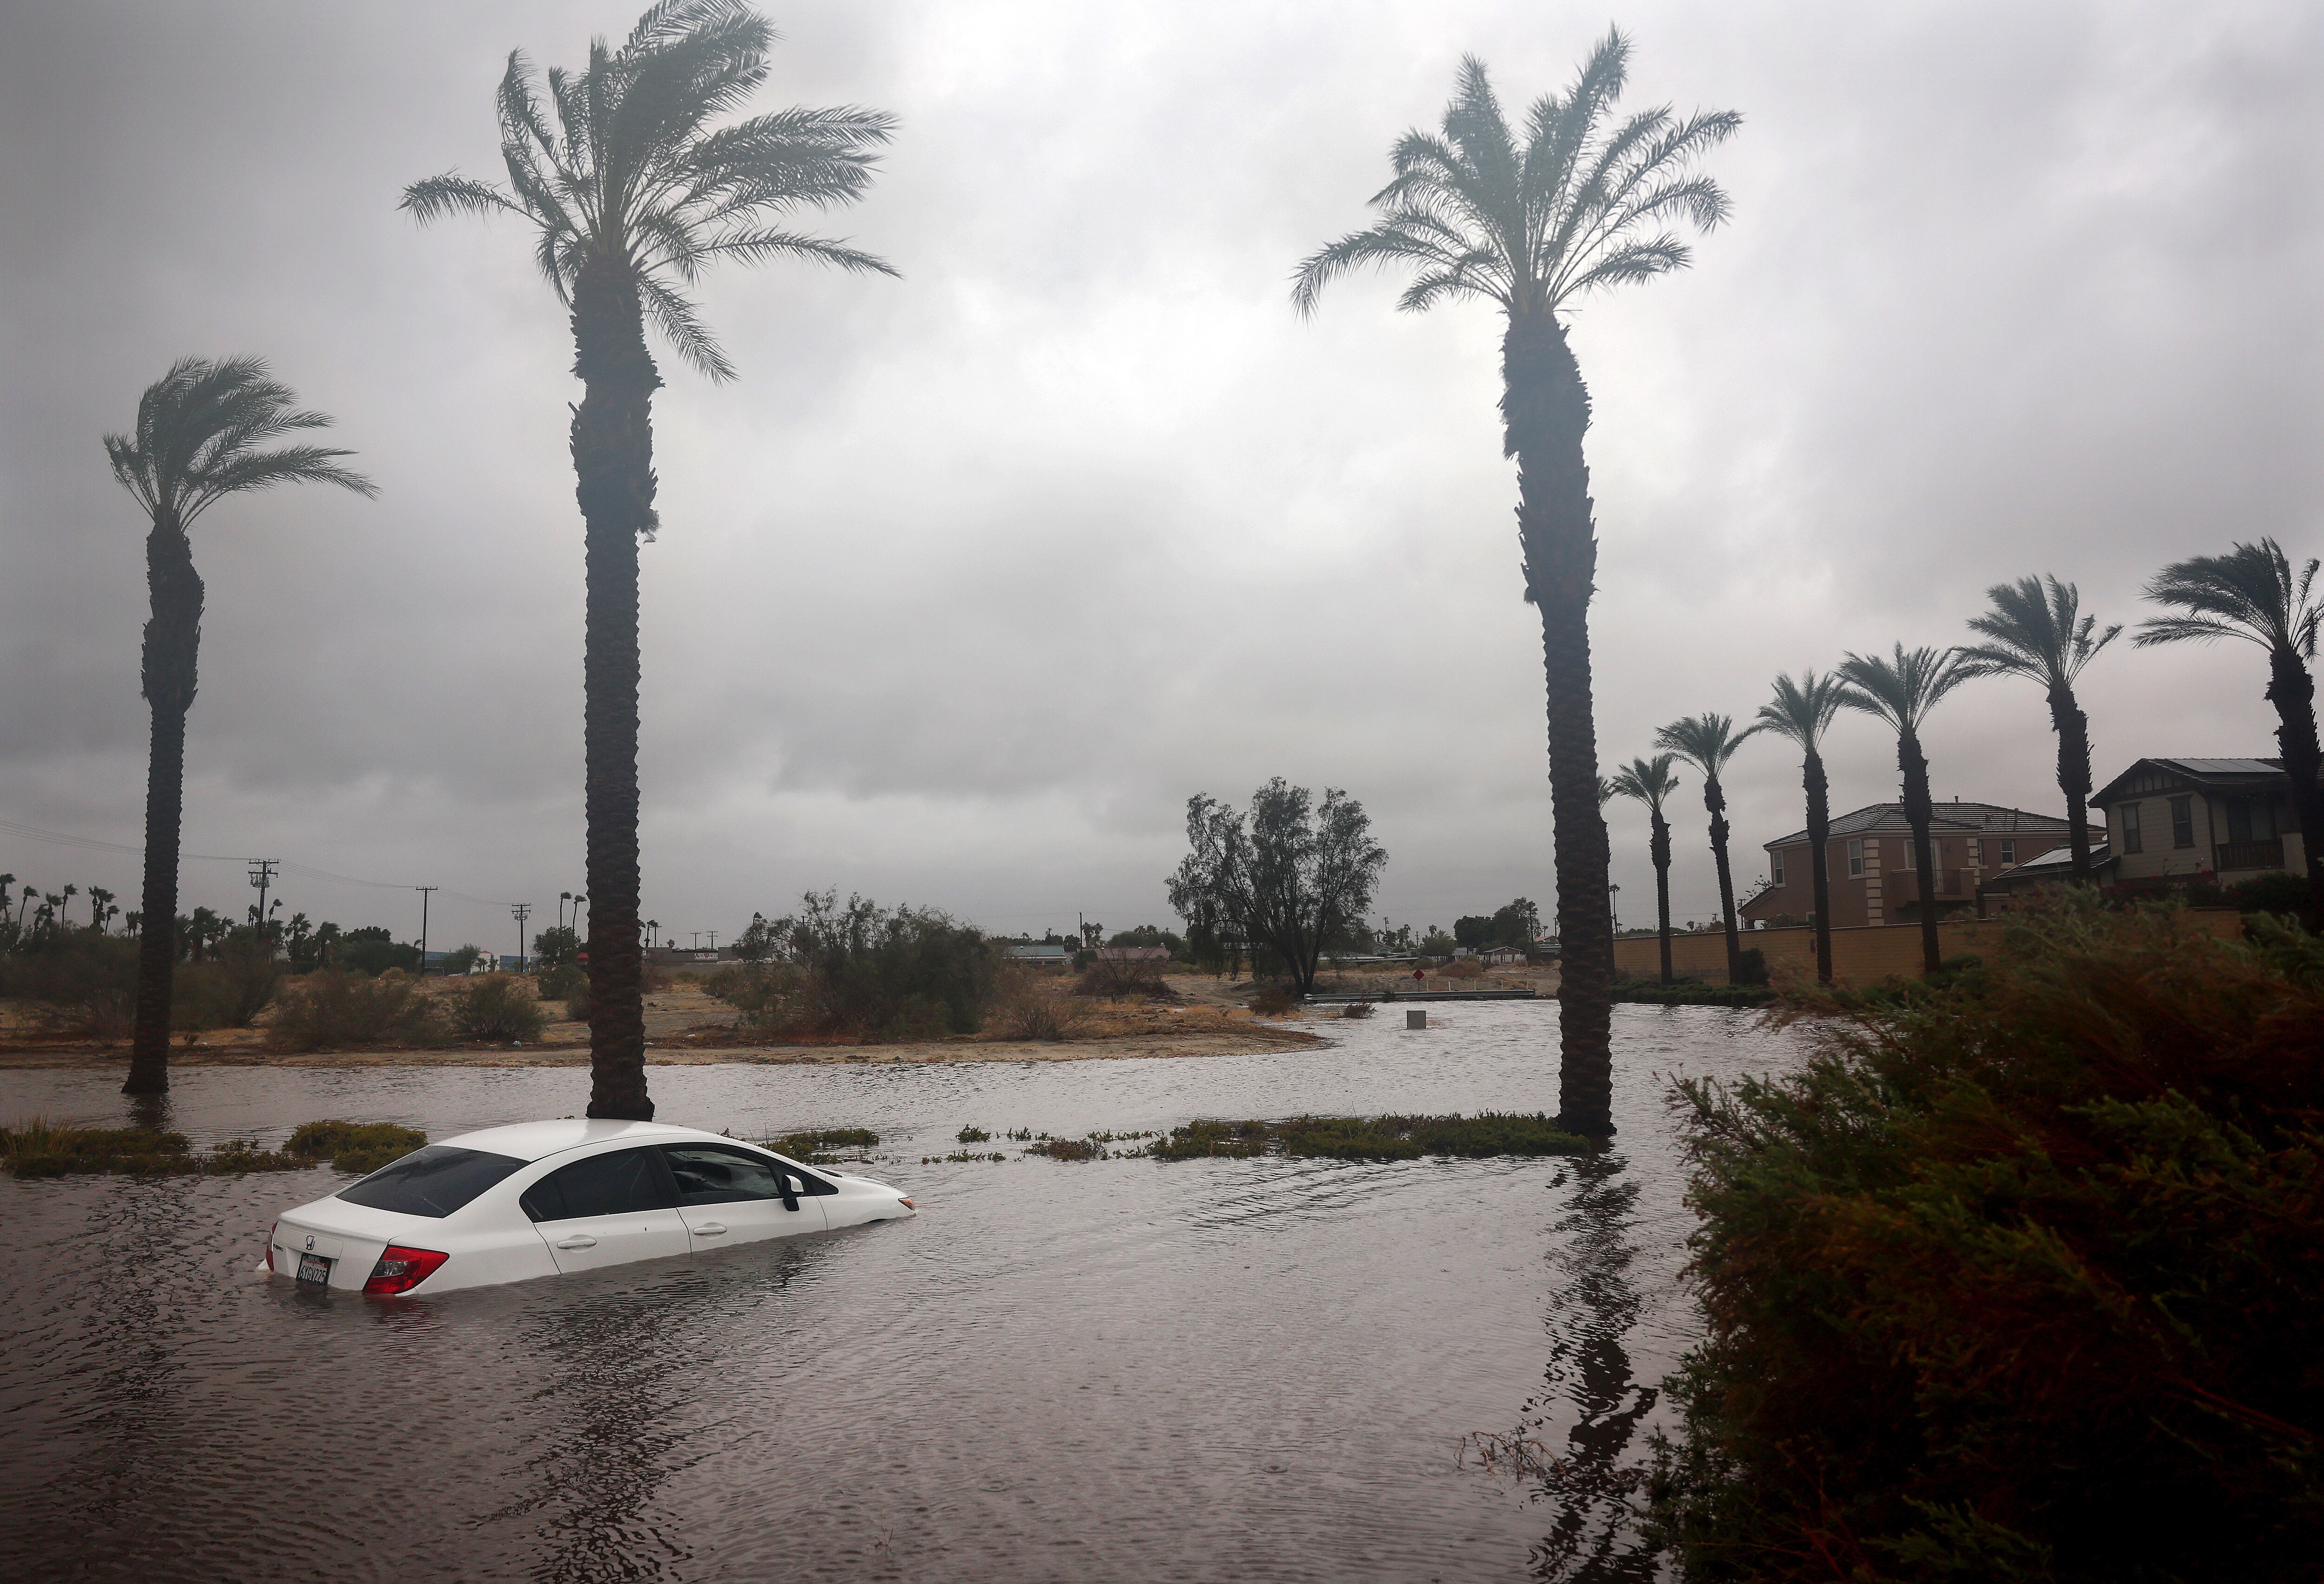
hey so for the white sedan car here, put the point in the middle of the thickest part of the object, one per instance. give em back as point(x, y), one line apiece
point(543, 1198)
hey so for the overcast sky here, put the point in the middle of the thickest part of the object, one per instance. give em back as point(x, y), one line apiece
point(971, 578)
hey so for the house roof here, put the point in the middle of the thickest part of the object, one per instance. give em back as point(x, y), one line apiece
point(2057, 864)
point(2198, 773)
point(1954, 818)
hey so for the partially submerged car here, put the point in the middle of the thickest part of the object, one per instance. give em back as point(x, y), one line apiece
point(545, 1198)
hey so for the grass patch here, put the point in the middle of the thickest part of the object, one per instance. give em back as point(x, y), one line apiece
point(1068, 1148)
point(1372, 1138)
point(362, 1147)
point(1691, 993)
point(40, 1148)
point(813, 1147)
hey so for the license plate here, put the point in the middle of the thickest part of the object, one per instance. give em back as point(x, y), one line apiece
point(314, 1267)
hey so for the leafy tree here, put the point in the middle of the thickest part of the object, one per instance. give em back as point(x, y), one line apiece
point(631, 193)
point(1708, 742)
point(464, 959)
point(1901, 692)
point(2035, 630)
point(1295, 879)
point(1581, 202)
point(372, 951)
point(1149, 935)
point(557, 948)
point(203, 433)
point(2250, 593)
point(1650, 782)
point(1804, 711)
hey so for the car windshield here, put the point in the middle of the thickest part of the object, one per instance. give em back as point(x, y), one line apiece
point(432, 1182)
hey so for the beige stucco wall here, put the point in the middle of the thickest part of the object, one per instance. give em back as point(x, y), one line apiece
point(1859, 957)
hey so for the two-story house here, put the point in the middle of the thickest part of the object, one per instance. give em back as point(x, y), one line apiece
point(2219, 821)
point(1870, 860)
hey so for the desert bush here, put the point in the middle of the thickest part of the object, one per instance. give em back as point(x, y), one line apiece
point(1025, 1006)
point(361, 1148)
point(863, 970)
point(337, 1010)
point(561, 982)
point(230, 990)
point(2018, 1279)
point(1751, 966)
point(1273, 998)
point(496, 1007)
point(1358, 1009)
point(83, 980)
point(1110, 979)
point(1464, 967)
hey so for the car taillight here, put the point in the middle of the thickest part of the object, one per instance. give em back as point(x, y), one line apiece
point(270, 1243)
point(399, 1269)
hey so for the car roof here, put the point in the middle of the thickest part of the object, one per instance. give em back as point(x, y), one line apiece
point(530, 1140)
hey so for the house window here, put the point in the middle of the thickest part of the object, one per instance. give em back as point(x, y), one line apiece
point(2250, 819)
point(1776, 867)
point(2009, 854)
point(2182, 822)
point(1976, 855)
point(1855, 859)
point(2130, 842)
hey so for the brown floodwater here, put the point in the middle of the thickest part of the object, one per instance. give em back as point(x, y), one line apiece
point(1121, 1369)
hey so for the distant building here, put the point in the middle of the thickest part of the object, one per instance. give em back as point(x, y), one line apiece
point(1501, 956)
point(1044, 955)
point(1870, 861)
point(2221, 821)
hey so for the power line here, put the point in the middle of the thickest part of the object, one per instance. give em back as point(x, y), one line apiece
point(288, 866)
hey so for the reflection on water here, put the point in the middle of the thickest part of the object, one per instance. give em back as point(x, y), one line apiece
point(1197, 1371)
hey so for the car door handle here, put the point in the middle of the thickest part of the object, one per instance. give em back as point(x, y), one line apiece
point(578, 1240)
point(710, 1229)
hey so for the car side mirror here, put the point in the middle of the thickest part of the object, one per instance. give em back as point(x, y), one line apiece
point(791, 1187)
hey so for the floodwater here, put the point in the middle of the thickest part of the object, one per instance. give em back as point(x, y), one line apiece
point(1124, 1369)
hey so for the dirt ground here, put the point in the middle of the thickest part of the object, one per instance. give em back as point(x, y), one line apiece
point(685, 1027)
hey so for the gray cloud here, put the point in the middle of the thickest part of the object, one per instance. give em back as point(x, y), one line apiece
point(971, 578)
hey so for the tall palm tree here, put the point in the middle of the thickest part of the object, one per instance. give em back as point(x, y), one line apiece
point(1902, 691)
point(1803, 711)
point(2035, 630)
point(1583, 202)
point(1650, 781)
point(204, 432)
point(632, 192)
point(1708, 742)
point(2250, 593)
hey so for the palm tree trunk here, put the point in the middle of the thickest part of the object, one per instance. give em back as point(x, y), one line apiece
point(1819, 792)
point(1714, 798)
point(1918, 811)
point(612, 463)
point(173, 636)
point(2292, 691)
point(1661, 848)
point(2073, 730)
point(1546, 413)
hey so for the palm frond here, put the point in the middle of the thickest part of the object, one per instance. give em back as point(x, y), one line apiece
point(437, 195)
point(1706, 741)
point(1649, 781)
point(1900, 691)
point(2034, 629)
point(1802, 710)
point(760, 245)
point(2250, 593)
point(198, 428)
point(674, 317)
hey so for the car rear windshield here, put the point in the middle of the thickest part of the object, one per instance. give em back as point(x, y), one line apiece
point(432, 1182)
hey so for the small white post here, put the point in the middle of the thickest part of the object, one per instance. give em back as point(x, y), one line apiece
point(1416, 1017)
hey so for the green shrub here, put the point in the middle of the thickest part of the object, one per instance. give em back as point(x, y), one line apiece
point(815, 1146)
point(972, 1136)
point(576, 1001)
point(338, 1011)
point(1751, 966)
point(861, 970)
point(227, 992)
point(2279, 892)
point(495, 1008)
point(2018, 1277)
point(354, 1146)
point(561, 982)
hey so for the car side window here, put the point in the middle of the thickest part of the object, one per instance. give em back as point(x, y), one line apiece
point(614, 1184)
point(713, 1174)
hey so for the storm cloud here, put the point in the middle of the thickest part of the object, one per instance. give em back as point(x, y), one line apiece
point(971, 578)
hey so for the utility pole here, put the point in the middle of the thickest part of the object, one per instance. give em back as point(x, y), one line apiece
point(262, 874)
point(519, 911)
point(714, 939)
point(697, 939)
point(423, 890)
